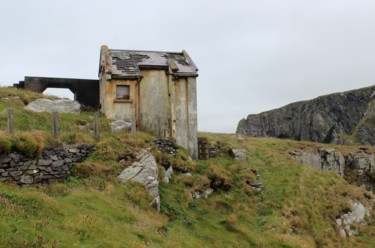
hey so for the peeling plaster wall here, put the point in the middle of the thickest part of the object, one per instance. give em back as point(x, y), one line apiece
point(193, 117)
point(154, 103)
point(180, 109)
point(120, 109)
point(185, 114)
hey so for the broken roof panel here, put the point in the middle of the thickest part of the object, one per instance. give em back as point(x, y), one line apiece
point(126, 63)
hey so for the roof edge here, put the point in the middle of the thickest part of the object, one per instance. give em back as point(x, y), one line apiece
point(146, 51)
point(190, 60)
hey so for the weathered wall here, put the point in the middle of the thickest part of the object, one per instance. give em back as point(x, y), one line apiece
point(154, 102)
point(53, 166)
point(185, 114)
point(193, 117)
point(181, 109)
point(119, 109)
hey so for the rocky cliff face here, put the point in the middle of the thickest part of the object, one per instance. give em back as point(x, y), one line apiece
point(331, 118)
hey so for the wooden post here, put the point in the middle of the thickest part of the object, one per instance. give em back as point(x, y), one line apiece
point(55, 125)
point(133, 127)
point(96, 125)
point(10, 121)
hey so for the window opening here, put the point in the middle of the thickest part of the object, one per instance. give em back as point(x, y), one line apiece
point(122, 92)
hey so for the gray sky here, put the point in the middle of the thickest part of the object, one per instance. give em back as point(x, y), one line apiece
point(253, 55)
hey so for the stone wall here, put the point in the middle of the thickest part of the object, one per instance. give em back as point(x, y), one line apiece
point(53, 166)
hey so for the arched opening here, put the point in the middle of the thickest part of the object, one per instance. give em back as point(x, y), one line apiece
point(59, 92)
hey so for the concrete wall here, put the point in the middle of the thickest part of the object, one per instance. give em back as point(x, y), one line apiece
point(118, 109)
point(154, 103)
point(193, 117)
point(180, 112)
point(85, 91)
point(185, 114)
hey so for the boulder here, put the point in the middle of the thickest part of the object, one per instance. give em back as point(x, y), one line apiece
point(238, 154)
point(361, 162)
point(332, 160)
point(168, 174)
point(145, 171)
point(60, 106)
point(257, 186)
point(204, 194)
point(120, 126)
point(357, 215)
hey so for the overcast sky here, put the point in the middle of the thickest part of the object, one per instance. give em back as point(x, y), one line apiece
point(252, 55)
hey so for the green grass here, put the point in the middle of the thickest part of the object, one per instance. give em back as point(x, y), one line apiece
point(298, 207)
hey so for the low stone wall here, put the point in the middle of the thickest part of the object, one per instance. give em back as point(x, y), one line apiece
point(53, 166)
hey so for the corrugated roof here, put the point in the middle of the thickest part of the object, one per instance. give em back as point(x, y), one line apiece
point(127, 63)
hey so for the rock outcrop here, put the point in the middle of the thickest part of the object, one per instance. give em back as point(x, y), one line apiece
point(321, 119)
point(168, 174)
point(198, 195)
point(238, 154)
point(324, 159)
point(145, 171)
point(357, 167)
point(60, 106)
point(356, 216)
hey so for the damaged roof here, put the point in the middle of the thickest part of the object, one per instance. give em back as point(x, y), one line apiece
point(127, 63)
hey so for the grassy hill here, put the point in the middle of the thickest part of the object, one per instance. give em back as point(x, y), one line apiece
point(297, 208)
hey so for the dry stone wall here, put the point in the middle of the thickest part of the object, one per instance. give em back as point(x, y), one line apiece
point(53, 166)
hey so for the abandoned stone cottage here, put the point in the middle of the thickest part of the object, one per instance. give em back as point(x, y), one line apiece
point(155, 91)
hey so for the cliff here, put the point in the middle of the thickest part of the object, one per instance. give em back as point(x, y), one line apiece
point(345, 118)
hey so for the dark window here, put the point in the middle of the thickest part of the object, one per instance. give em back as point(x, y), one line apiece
point(122, 92)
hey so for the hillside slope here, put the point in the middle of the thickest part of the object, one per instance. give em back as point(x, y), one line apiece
point(346, 117)
point(298, 207)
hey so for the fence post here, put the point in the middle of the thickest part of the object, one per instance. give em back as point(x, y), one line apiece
point(10, 121)
point(132, 130)
point(55, 126)
point(96, 125)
